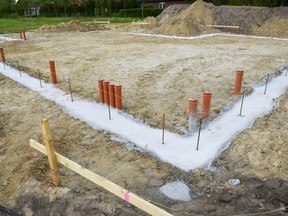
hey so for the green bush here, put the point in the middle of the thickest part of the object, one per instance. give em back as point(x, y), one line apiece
point(137, 12)
point(13, 16)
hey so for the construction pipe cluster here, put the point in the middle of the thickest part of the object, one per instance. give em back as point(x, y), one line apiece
point(110, 94)
point(207, 95)
point(22, 34)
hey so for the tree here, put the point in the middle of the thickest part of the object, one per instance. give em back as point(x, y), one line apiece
point(7, 7)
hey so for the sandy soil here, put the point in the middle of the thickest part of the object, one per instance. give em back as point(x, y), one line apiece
point(158, 76)
point(194, 19)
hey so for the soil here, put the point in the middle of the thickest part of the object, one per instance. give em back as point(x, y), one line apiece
point(189, 20)
point(158, 76)
point(73, 25)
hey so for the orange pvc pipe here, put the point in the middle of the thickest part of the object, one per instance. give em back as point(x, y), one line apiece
point(106, 91)
point(53, 72)
point(20, 32)
point(111, 95)
point(118, 96)
point(2, 54)
point(238, 82)
point(101, 92)
point(207, 95)
point(193, 104)
point(24, 34)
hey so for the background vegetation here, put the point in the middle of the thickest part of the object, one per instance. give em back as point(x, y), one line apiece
point(107, 8)
point(14, 25)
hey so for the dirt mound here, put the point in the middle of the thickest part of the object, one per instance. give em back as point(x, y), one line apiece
point(246, 17)
point(71, 26)
point(150, 19)
point(181, 20)
point(184, 20)
point(274, 26)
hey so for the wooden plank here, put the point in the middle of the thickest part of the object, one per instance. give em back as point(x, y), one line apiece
point(105, 183)
point(53, 164)
point(222, 26)
point(98, 22)
point(141, 23)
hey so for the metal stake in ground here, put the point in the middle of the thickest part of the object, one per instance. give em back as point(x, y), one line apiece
point(19, 69)
point(39, 75)
point(163, 125)
point(199, 132)
point(267, 79)
point(242, 102)
point(109, 111)
point(70, 89)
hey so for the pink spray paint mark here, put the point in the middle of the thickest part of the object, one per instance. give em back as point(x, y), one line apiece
point(126, 196)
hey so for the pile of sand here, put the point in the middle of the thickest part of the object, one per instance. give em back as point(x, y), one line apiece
point(247, 17)
point(185, 20)
point(274, 26)
point(150, 19)
point(71, 26)
point(181, 20)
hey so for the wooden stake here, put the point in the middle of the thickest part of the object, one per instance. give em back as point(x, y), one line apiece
point(19, 69)
point(124, 194)
point(163, 125)
point(39, 75)
point(242, 102)
point(70, 89)
point(199, 132)
point(223, 26)
point(53, 164)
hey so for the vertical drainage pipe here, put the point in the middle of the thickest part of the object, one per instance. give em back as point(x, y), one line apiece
point(111, 95)
point(2, 55)
point(106, 91)
point(238, 82)
point(20, 33)
point(24, 34)
point(100, 90)
point(207, 95)
point(193, 104)
point(118, 96)
point(53, 72)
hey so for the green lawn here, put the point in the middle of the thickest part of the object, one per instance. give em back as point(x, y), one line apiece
point(13, 25)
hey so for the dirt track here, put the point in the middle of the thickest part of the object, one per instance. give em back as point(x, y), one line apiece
point(158, 76)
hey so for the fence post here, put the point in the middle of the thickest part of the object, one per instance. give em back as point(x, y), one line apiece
point(52, 159)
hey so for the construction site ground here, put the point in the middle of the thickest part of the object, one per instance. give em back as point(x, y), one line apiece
point(157, 76)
